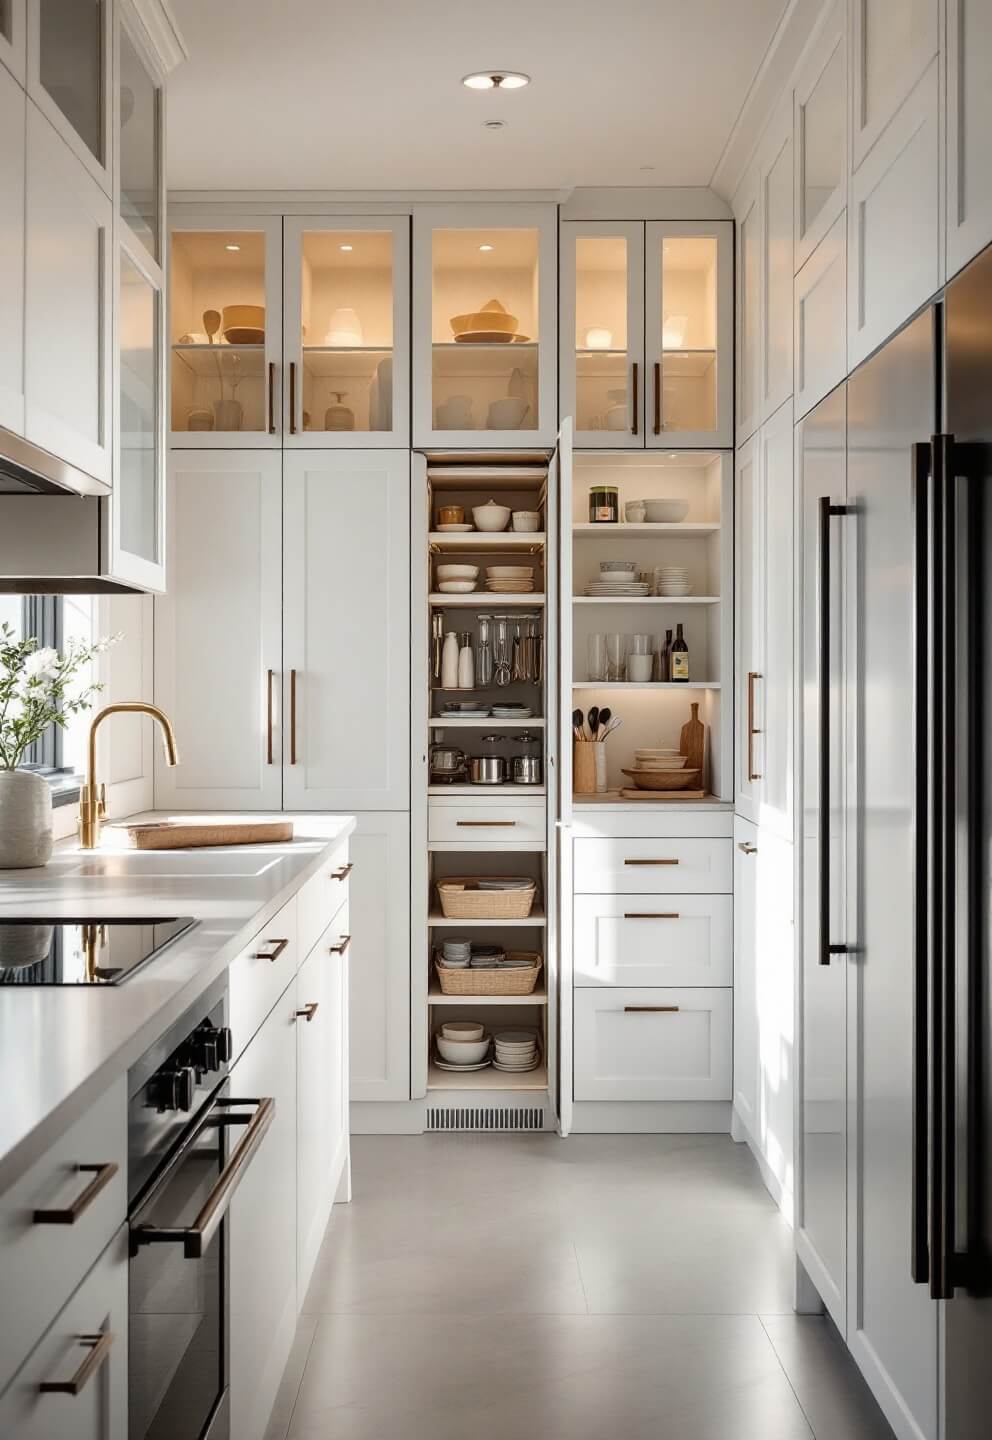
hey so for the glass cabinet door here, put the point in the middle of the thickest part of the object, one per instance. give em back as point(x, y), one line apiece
point(137, 502)
point(69, 67)
point(689, 334)
point(225, 332)
point(139, 140)
point(346, 344)
point(484, 322)
point(602, 332)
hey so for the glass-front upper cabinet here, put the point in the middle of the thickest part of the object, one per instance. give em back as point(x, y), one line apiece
point(69, 65)
point(689, 339)
point(13, 46)
point(225, 331)
point(484, 326)
point(138, 505)
point(346, 349)
point(602, 332)
point(139, 129)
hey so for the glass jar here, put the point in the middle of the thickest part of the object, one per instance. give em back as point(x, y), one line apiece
point(604, 504)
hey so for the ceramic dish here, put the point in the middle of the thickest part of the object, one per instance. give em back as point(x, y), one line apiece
point(444, 1065)
point(663, 779)
point(462, 1052)
point(666, 512)
point(491, 321)
point(451, 529)
point(458, 572)
point(456, 587)
point(516, 1069)
point(491, 517)
point(526, 522)
point(462, 1030)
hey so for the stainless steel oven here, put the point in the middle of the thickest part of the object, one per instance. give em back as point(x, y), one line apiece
point(190, 1142)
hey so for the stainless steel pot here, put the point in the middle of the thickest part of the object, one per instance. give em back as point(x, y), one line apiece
point(446, 760)
point(487, 770)
point(527, 770)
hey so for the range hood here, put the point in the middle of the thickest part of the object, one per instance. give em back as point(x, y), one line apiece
point(26, 469)
point(56, 544)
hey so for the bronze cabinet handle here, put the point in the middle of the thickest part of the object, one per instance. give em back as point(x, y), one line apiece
point(280, 946)
point(657, 397)
point(292, 397)
point(98, 1352)
point(341, 947)
point(651, 915)
point(650, 1009)
point(635, 422)
point(752, 774)
point(269, 676)
point(343, 873)
point(650, 862)
point(485, 824)
point(102, 1176)
point(746, 848)
point(308, 1011)
point(292, 717)
point(272, 397)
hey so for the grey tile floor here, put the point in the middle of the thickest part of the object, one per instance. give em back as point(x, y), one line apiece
point(524, 1288)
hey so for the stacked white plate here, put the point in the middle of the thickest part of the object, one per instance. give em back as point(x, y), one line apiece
point(512, 712)
point(516, 1051)
point(631, 588)
point(673, 580)
point(510, 579)
point(456, 587)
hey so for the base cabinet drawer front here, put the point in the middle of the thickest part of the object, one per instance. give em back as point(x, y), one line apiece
point(83, 1357)
point(653, 867)
point(260, 974)
point(653, 1044)
point(321, 898)
point(56, 1219)
point(487, 823)
point(653, 940)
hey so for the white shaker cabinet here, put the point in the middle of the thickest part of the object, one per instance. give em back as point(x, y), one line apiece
point(748, 309)
point(13, 116)
point(218, 632)
point(67, 305)
point(820, 319)
point(969, 121)
point(70, 49)
point(777, 268)
point(746, 1025)
point(820, 135)
point(748, 630)
point(346, 640)
point(379, 1003)
point(892, 43)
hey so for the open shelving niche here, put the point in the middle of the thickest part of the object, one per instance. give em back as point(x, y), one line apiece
point(521, 482)
point(653, 712)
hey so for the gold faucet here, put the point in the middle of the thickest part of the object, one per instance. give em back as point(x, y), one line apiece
point(93, 797)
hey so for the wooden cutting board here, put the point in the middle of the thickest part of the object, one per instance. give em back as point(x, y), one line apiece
point(692, 742)
point(167, 835)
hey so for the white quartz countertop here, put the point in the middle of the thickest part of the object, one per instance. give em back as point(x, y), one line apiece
point(59, 1048)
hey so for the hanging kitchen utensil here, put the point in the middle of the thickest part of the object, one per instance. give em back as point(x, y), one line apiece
point(501, 651)
point(484, 653)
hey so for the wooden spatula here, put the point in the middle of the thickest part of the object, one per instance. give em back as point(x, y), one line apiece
point(211, 323)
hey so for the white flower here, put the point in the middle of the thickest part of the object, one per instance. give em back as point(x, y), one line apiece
point(41, 664)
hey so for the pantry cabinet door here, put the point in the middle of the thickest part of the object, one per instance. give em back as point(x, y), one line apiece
point(969, 122)
point(774, 693)
point(346, 630)
point(777, 269)
point(13, 118)
point(218, 633)
point(379, 993)
point(749, 580)
point(892, 44)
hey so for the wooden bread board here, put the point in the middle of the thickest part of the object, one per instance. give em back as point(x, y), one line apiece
point(166, 835)
point(662, 797)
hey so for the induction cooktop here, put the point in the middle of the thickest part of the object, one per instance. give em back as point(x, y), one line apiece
point(39, 951)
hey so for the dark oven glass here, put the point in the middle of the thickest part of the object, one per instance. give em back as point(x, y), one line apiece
point(177, 1366)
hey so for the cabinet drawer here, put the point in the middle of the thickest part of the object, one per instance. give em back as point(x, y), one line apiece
point(653, 940)
point(487, 822)
point(98, 1410)
point(653, 1044)
point(322, 897)
point(653, 867)
point(56, 1219)
point(260, 974)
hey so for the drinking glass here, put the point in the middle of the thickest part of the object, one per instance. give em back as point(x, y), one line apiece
point(597, 662)
point(641, 645)
point(616, 657)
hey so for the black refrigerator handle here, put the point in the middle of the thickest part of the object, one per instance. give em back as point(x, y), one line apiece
point(826, 511)
point(922, 677)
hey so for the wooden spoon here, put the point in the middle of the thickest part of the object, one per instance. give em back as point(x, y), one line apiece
point(211, 323)
point(593, 720)
point(577, 722)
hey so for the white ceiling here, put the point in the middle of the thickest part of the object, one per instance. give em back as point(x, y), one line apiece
point(321, 94)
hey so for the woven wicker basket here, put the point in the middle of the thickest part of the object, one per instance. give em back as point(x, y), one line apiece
point(489, 982)
point(462, 900)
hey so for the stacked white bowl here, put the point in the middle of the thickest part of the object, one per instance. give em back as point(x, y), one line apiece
point(516, 1050)
point(456, 954)
point(672, 580)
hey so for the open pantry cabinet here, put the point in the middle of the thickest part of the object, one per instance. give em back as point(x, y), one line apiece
point(484, 831)
point(601, 630)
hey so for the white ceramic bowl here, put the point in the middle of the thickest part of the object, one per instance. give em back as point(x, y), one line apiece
point(526, 522)
point(491, 517)
point(456, 587)
point(462, 1052)
point(666, 512)
point(613, 567)
point(458, 572)
point(463, 1030)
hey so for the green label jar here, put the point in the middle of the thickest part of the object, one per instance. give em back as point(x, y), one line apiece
point(604, 504)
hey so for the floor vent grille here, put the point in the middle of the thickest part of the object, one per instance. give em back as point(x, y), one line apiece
point(484, 1117)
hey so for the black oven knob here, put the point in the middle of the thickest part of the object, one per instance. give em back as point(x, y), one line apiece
point(175, 1089)
point(210, 1048)
point(225, 1045)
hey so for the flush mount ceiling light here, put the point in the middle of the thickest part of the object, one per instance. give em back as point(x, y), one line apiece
point(496, 80)
point(494, 124)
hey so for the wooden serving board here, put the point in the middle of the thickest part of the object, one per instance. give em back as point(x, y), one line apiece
point(662, 797)
point(166, 835)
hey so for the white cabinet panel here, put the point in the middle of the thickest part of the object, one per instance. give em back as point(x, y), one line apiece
point(12, 127)
point(217, 632)
point(820, 130)
point(635, 1044)
point(969, 122)
point(775, 691)
point(777, 271)
point(379, 999)
point(652, 940)
point(894, 221)
point(495, 820)
point(748, 574)
point(262, 1226)
point(646, 867)
point(893, 41)
point(820, 319)
point(748, 312)
point(13, 37)
point(67, 305)
point(346, 631)
point(260, 974)
point(322, 896)
point(745, 980)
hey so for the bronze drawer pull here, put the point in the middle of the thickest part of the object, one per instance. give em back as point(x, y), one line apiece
point(292, 717)
point(657, 398)
point(485, 824)
point(650, 862)
point(343, 873)
point(95, 1356)
point(308, 1011)
point(651, 915)
point(280, 946)
point(272, 400)
point(102, 1176)
point(268, 717)
point(752, 730)
point(650, 1009)
point(746, 848)
point(292, 397)
point(341, 946)
point(635, 422)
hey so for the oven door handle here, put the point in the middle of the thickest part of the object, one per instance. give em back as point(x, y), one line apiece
point(196, 1237)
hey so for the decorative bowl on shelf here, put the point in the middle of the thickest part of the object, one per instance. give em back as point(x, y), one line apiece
point(663, 779)
point(490, 325)
point(491, 517)
point(243, 324)
point(666, 512)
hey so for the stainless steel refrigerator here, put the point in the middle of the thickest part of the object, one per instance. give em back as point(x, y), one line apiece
point(895, 1206)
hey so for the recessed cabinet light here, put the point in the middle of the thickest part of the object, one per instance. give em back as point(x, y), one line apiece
point(232, 247)
point(494, 124)
point(485, 247)
point(347, 247)
point(496, 80)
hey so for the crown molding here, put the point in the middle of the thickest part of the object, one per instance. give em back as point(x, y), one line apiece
point(647, 202)
point(161, 31)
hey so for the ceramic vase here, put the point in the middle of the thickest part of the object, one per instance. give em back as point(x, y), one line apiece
point(25, 820)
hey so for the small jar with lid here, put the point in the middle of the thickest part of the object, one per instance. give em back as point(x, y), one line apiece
point(604, 504)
